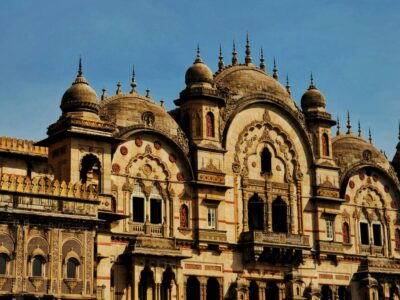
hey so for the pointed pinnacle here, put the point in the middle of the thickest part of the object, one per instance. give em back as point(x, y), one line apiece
point(133, 81)
point(338, 132)
point(234, 54)
point(359, 129)
point(312, 85)
point(198, 57)
point(275, 71)
point(288, 84)
point(369, 136)
point(399, 131)
point(262, 61)
point(348, 123)
point(80, 67)
point(248, 58)
point(221, 64)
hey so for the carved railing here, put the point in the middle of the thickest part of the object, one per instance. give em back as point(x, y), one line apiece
point(44, 186)
point(211, 235)
point(330, 246)
point(275, 239)
point(366, 249)
point(148, 229)
point(23, 146)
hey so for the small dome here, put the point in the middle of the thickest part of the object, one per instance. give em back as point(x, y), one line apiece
point(80, 97)
point(199, 72)
point(312, 98)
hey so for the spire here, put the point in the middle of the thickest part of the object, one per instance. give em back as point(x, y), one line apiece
point(133, 82)
point(103, 94)
point(220, 59)
point(80, 73)
point(234, 55)
point(338, 132)
point(348, 123)
point(369, 136)
point(262, 63)
point(198, 57)
point(359, 129)
point(399, 132)
point(288, 84)
point(312, 86)
point(275, 71)
point(248, 59)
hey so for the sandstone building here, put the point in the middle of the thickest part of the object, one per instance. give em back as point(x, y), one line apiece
point(237, 193)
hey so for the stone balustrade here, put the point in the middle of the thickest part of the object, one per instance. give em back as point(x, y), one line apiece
point(22, 146)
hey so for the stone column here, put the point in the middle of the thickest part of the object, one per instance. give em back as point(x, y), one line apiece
point(282, 292)
point(221, 288)
point(158, 291)
point(261, 290)
point(203, 288)
point(245, 213)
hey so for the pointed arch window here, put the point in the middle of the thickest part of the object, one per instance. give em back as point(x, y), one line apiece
point(266, 165)
point(210, 124)
point(279, 215)
point(138, 204)
point(37, 266)
point(346, 233)
point(325, 144)
point(72, 268)
point(255, 213)
point(184, 216)
point(90, 172)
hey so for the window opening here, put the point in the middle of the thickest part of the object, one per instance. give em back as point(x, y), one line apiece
point(329, 229)
point(3, 264)
point(279, 215)
point(266, 166)
point(364, 231)
point(376, 229)
point(255, 213)
point(37, 266)
point(325, 145)
point(91, 171)
point(346, 233)
point(72, 266)
point(211, 218)
point(138, 209)
point(210, 124)
point(155, 211)
point(184, 216)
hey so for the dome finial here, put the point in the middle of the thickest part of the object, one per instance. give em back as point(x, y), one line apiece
point(220, 59)
point(133, 81)
point(148, 93)
point(103, 94)
point(262, 61)
point(359, 129)
point(312, 85)
point(248, 59)
point(234, 54)
point(288, 84)
point(119, 88)
point(348, 123)
point(275, 71)
point(198, 57)
point(369, 136)
point(80, 67)
point(338, 132)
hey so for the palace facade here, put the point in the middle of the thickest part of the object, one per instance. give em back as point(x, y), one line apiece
point(237, 193)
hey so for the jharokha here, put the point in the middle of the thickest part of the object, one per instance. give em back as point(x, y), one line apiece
point(237, 193)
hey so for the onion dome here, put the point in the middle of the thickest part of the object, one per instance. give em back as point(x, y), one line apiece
point(312, 98)
point(198, 72)
point(80, 97)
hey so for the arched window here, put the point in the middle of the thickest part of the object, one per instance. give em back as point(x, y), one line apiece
point(325, 145)
point(3, 264)
point(72, 267)
point(184, 216)
point(210, 124)
point(266, 166)
point(91, 171)
point(255, 213)
point(138, 204)
point(397, 238)
point(346, 233)
point(197, 125)
point(37, 266)
point(279, 215)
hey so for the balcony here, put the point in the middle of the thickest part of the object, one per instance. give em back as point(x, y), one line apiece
point(148, 229)
point(211, 235)
point(273, 247)
point(372, 249)
point(330, 247)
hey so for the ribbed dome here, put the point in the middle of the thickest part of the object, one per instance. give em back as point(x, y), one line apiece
point(80, 97)
point(312, 98)
point(199, 72)
point(350, 149)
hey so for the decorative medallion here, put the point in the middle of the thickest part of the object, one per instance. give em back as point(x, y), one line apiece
point(157, 145)
point(116, 168)
point(254, 164)
point(361, 175)
point(123, 150)
point(138, 142)
point(148, 118)
point(180, 176)
point(278, 168)
point(147, 169)
point(172, 157)
point(351, 184)
point(375, 177)
point(386, 188)
point(347, 198)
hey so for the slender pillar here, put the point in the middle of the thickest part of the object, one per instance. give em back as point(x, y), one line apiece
point(261, 290)
point(245, 213)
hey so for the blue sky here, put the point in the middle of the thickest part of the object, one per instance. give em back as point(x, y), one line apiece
point(352, 48)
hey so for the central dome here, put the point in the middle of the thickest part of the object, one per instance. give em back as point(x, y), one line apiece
point(245, 80)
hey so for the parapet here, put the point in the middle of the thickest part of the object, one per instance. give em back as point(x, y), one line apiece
point(21, 146)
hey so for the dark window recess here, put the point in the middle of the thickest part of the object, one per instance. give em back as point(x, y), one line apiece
point(37, 266)
point(138, 209)
point(155, 211)
point(364, 233)
point(72, 266)
point(279, 215)
point(3, 264)
point(376, 228)
point(266, 166)
point(256, 213)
